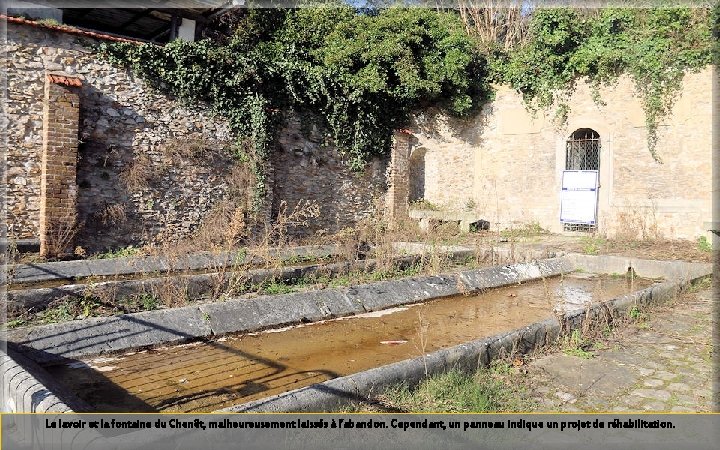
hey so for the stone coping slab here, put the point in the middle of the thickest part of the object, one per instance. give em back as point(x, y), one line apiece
point(22, 392)
point(196, 286)
point(72, 270)
point(94, 336)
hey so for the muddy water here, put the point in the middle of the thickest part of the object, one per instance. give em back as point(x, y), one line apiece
point(206, 376)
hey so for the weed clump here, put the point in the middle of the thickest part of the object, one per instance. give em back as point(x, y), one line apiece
point(488, 390)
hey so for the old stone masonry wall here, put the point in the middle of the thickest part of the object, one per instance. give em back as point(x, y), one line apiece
point(148, 167)
point(307, 167)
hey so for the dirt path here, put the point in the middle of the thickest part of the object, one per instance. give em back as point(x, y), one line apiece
point(660, 362)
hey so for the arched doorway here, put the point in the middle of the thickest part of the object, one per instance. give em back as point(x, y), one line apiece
point(581, 181)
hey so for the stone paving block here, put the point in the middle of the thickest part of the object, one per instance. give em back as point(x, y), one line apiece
point(653, 394)
point(664, 375)
point(681, 409)
point(678, 387)
point(656, 407)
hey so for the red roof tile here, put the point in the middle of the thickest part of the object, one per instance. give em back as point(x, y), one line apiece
point(67, 29)
point(67, 81)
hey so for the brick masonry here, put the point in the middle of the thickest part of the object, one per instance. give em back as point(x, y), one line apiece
point(58, 187)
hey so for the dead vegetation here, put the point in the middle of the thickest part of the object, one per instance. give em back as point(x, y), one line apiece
point(60, 236)
point(113, 214)
point(494, 22)
point(139, 174)
point(196, 148)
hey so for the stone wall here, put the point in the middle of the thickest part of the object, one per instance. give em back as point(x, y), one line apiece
point(151, 168)
point(506, 164)
point(148, 167)
point(308, 168)
point(441, 158)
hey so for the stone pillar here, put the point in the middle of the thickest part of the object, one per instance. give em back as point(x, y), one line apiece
point(399, 185)
point(58, 187)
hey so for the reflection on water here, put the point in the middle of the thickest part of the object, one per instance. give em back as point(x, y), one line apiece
point(206, 376)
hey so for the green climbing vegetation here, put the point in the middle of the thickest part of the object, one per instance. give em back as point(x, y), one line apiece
point(654, 46)
point(360, 74)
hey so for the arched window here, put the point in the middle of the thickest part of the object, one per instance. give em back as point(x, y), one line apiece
point(582, 150)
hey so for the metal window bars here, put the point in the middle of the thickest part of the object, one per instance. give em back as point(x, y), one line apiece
point(582, 150)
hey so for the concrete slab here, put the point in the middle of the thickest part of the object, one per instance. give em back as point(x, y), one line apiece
point(517, 273)
point(286, 309)
point(232, 315)
point(377, 296)
point(32, 273)
point(388, 294)
point(670, 270)
point(107, 334)
point(69, 270)
point(335, 303)
point(264, 312)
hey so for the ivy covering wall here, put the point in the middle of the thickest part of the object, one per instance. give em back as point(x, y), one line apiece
point(364, 73)
point(361, 74)
point(653, 46)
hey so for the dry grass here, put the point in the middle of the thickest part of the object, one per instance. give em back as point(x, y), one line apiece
point(60, 235)
point(660, 249)
point(194, 147)
point(225, 226)
point(172, 292)
point(421, 329)
point(494, 22)
point(113, 214)
point(141, 172)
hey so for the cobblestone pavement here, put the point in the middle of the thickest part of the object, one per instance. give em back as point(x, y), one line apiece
point(661, 362)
